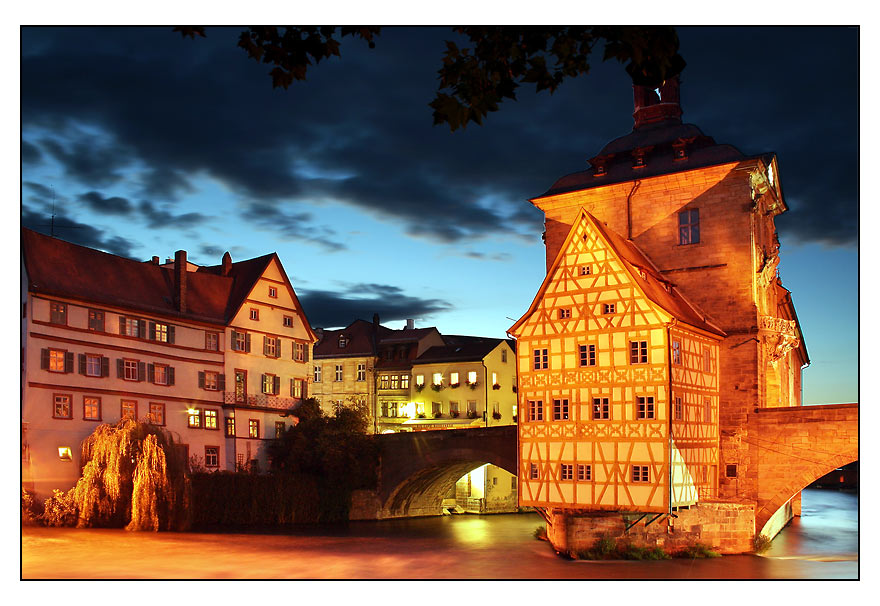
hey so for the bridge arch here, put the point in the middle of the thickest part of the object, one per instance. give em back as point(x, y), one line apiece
point(797, 446)
point(417, 469)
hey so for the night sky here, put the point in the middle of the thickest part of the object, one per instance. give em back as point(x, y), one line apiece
point(149, 143)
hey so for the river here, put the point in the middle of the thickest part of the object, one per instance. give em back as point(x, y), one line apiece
point(822, 544)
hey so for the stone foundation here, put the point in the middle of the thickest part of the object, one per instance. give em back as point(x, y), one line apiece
point(725, 526)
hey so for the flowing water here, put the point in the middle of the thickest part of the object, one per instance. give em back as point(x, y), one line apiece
point(822, 544)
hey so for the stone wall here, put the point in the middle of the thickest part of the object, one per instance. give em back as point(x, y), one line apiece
point(726, 527)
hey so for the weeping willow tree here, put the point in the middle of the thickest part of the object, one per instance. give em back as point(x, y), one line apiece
point(134, 475)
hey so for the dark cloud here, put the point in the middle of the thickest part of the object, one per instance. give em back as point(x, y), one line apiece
point(157, 218)
point(78, 233)
point(30, 153)
point(472, 254)
point(296, 226)
point(359, 129)
point(113, 205)
point(328, 309)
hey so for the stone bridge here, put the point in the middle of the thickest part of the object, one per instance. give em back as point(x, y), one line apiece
point(418, 468)
point(794, 447)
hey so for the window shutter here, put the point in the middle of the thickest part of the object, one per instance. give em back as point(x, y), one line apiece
point(263, 383)
point(141, 371)
point(142, 329)
point(44, 358)
point(221, 382)
point(151, 373)
point(305, 389)
point(68, 361)
point(265, 345)
point(82, 363)
point(247, 343)
point(171, 333)
point(170, 375)
point(120, 368)
point(276, 385)
point(201, 379)
point(291, 387)
point(152, 326)
point(234, 346)
point(305, 352)
point(122, 325)
point(105, 366)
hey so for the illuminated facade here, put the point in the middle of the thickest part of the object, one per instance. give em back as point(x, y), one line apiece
point(662, 289)
point(217, 355)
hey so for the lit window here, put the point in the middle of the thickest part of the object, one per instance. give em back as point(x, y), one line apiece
point(540, 358)
point(211, 419)
point(533, 471)
point(587, 355)
point(62, 408)
point(91, 408)
point(194, 418)
point(437, 379)
point(420, 380)
point(404, 381)
point(536, 410)
point(560, 410)
point(638, 352)
point(601, 409)
point(64, 453)
point(495, 379)
point(230, 427)
point(609, 308)
point(57, 313)
point(128, 408)
point(255, 314)
point(395, 381)
point(212, 456)
point(689, 226)
point(160, 374)
point(270, 384)
point(96, 320)
point(317, 374)
point(273, 292)
point(678, 409)
point(472, 377)
point(253, 428)
point(129, 327)
point(566, 471)
point(56, 360)
point(640, 473)
point(361, 372)
point(585, 473)
point(210, 380)
point(157, 413)
point(296, 388)
point(338, 376)
point(287, 321)
point(645, 407)
point(384, 382)
point(564, 313)
point(453, 378)
point(160, 332)
point(279, 429)
point(212, 341)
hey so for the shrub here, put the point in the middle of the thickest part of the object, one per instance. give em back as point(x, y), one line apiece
point(762, 543)
point(697, 550)
point(30, 511)
point(541, 533)
point(59, 509)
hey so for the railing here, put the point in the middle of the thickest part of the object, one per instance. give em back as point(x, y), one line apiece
point(261, 400)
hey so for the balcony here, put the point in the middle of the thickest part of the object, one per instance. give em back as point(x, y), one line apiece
point(261, 400)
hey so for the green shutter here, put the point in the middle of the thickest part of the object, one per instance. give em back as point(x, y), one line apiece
point(120, 368)
point(82, 363)
point(105, 366)
point(221, 382)
point(265, 345)
point(276, 385)
point(44, 358)
point(247, 343)
point(171, 333)
point(68, 361)
point(201, 379)
point(170, 375)
point(122, 325)
point(151, 373)
point(152, 326)
point(141, 371)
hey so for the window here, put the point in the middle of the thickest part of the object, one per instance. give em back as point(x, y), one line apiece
point(587, 354)
point(211, 419)
point(420, 380)
point(560, 410)
point(404, 381)
point(209, 380)
point(64, 453)
point(586, 270)
point(361, 372)
point(62, 409)
point(230, 427)
point(299, 352)
point(453, 379)
point(91, 365)
point(91, 408)
point(57, 312)
point(253, 428)
point(533, 471)
point(130, 327)
point(730, 471)
point(157, 413)
point(271, 384)
point(128, 408)
point(389, 409)
point(130, 370)
point(640, 473)
point(241, 341)
point(689, 226)
point(420, 409)
point(159, 332)
point(296, 388)
point(676, 352)
point(160, 374)
point(342, 342)
point(536, 410)
point(472, 377)
point(453, 409)
point(638, 352)
point(96, 320)
point(384, 381)
point(255, 314)
point(317, 374)
point(564, 313)
point(437, 378)
point(707, 359)
point(601, 409)
point(279, 429)
point(585, 473)
point(678, 409)
point(338, 375)
point(395, 381)
point(566, 471)
point(212, 341)
point(707, 410)
point(273, 292)
point(271, 347)
point(56, 360)
point(495, 379)
point(436, 408)
point(609, 308)
point(645, 407)
point(540, 357)
point(287, 321)
point(194, 418)
point(212, 456)
point(472, 408)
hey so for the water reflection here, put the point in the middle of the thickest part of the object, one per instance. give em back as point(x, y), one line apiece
point(449, 547)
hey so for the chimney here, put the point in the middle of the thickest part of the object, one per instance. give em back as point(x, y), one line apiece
point(180, 280)
point(410, 324)
point(226, 264)
point(653, 106)
point(375, 319)
point(155, 260)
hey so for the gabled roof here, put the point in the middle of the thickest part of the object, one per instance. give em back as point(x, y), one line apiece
point(63, 269)
point(361, 337)
point(462, 349)
point(406, 335)
point(643, 273)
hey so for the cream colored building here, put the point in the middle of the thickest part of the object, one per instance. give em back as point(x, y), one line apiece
point(216, 355)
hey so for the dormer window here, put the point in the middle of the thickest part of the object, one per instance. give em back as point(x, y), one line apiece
point(679, 151)
point(342, 341)
point(640, 157)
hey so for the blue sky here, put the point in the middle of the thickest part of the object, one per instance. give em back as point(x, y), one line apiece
point(149, 143)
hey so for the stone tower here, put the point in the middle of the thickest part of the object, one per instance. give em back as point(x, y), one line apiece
point(703, 213)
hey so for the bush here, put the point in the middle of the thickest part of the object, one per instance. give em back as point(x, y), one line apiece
point(59, 509)
point(30, 511)
point(762, 543)
point(698, 550)
point(541, 533)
